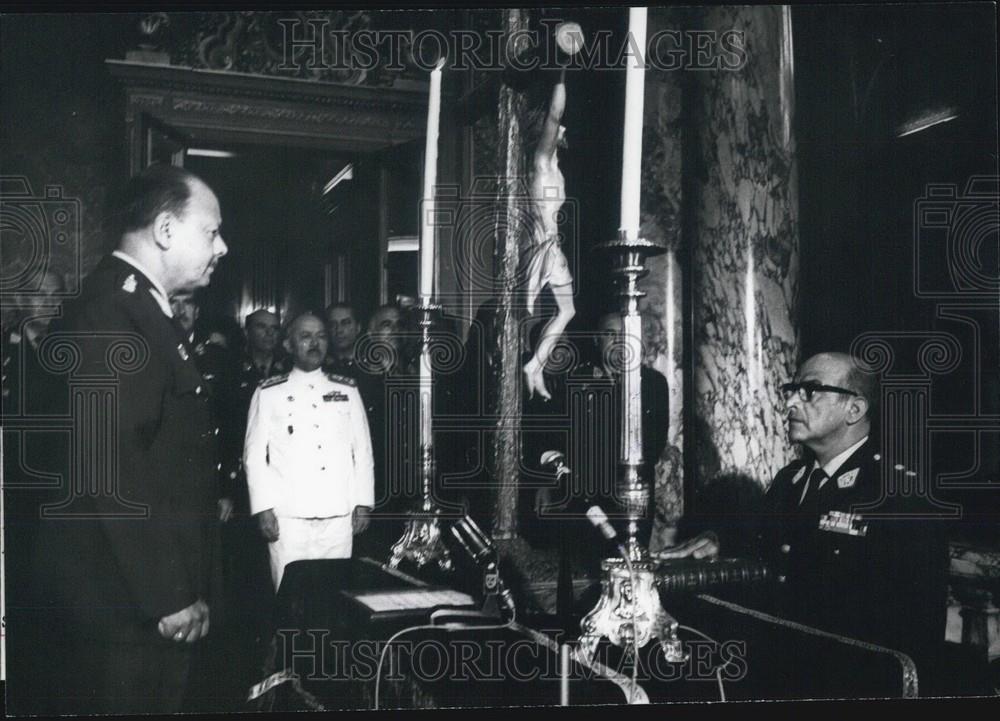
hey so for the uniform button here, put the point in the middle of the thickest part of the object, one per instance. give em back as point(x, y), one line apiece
point(322, 468)
point(781, 579)
point(216, 430)
point(218, 467)
point(197, 391)
point(836, 552)
point(785, 548)
point(320, 447)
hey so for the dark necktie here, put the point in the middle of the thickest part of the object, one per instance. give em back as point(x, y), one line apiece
point(809, 501)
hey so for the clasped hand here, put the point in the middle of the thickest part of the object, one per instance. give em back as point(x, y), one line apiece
point(704, 545)
point(188, 624)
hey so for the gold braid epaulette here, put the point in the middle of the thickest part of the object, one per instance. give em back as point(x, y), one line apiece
point(274, 381)
point(346, 380)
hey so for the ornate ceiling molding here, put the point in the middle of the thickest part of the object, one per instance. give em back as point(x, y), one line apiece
point(315, 45)
point(208, 104)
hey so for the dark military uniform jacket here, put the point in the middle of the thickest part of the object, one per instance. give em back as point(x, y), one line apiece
point(339, 366)
point(109, 572)
point(848, 569)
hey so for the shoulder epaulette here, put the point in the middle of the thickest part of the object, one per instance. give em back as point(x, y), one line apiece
point(274, 381)
point(346, 380)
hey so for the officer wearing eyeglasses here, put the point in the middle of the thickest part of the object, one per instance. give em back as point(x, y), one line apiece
point(867, 573)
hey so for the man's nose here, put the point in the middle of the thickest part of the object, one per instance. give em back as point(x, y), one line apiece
point(220, 247)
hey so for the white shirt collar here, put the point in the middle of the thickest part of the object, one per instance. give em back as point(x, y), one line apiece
point(833, 465)
point(300, 375)
point(157, 291)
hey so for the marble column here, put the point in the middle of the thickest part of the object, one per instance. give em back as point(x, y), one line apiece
point(662, 307)
point(743, 227)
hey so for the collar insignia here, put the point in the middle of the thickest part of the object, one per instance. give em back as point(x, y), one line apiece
point(129, 285)
point(846, 480)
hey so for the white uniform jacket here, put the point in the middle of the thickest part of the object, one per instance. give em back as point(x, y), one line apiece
point(308, 452)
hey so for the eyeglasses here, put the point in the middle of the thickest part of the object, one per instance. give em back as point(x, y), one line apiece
point(805, 391)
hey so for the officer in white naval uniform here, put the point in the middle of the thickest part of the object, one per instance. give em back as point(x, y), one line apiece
point(308, 456)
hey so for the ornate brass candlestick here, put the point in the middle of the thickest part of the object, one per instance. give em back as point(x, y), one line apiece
point(422, 542)
point(629, 608)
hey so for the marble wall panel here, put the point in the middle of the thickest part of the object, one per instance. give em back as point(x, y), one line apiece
point(744, 254)
point(661, 308)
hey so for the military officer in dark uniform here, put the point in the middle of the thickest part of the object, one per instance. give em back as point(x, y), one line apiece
point(261, 359)
point(129, 595)
point(213, 360)
point(245, 549)
point(846, 557)
point(343, 328)
point(383, 370)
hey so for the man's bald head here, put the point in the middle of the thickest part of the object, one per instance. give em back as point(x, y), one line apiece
point(261, 314)
point(306, 341)
point(171, 224)
point(303, 318)
point(854, 377)
point(157, 189)
point(829, 407)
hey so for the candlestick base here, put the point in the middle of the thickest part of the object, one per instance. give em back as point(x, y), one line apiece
point(422, 542)
point(622, 595)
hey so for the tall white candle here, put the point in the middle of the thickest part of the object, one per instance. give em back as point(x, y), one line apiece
point(430, 180)
point(635, 74)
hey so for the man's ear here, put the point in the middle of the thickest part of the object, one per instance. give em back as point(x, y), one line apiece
point(857, 409)
point(288, 345)
point(162, 229)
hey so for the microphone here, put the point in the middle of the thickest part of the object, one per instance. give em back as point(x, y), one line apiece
point(599, 519)
point(555, 460)
point(473, 540)
point(481, 549)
